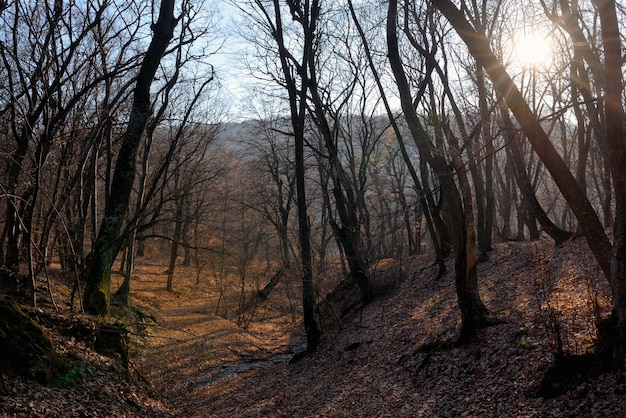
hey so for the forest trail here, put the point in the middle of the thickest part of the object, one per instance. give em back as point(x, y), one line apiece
point(190, 346)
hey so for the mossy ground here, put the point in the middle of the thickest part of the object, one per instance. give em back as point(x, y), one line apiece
point(27, 349)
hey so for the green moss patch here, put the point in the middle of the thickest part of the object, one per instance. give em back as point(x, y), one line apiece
point(25, 348)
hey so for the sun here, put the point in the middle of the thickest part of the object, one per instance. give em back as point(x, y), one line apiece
point(532, 50)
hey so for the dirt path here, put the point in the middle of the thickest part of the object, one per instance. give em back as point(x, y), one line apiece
point(190, 346)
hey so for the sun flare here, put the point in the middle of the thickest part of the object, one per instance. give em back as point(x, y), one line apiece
point(533, 50)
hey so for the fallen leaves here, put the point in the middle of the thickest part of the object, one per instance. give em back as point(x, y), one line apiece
point(206, 366)
point(373, 367)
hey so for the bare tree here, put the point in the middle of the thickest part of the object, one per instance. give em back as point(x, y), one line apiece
point(294, 72)
point(98, 271)
point(274, 181)
point(473, 310)
point(610, 257)
point(51, 101)
point(439, 233)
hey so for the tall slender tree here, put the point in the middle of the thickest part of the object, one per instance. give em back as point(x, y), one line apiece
point(294, 72)
point(473, 311)
point(107, 245)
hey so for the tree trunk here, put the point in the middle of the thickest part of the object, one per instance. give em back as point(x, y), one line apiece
point(106, 246)
point(12, 227)
point(174, 250)
point(472, 308)
point(503, 177)
point(297, 106)
point(614, 119)
point(485, 117)
point(467, 287)
point(124, 290)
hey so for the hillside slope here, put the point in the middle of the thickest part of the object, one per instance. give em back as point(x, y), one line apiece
point(388, 359)
point(381, 363)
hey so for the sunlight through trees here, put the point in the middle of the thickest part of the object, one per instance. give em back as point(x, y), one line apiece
point(360, 132)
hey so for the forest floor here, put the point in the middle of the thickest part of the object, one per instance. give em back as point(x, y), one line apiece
point(389, 359)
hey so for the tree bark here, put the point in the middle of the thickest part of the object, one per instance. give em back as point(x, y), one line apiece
point(472, 308)
point(106, 246)
point(614, 119)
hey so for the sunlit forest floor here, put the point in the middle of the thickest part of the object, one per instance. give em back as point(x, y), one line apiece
point(388, 359)
point(381, 363)
point(191, 346)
